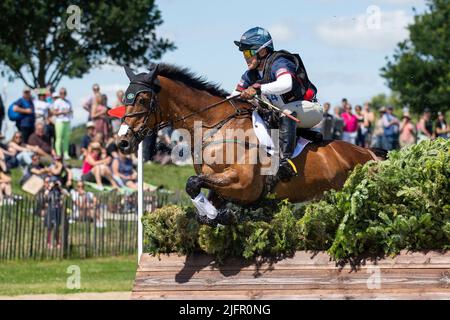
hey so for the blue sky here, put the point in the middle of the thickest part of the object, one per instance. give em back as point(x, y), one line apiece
point(343, 44)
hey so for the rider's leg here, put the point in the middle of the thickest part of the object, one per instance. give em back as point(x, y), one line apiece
point(287, 145)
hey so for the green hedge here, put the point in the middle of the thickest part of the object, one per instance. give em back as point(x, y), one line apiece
point(384, 207)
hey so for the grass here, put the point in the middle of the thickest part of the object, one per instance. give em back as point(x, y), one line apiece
point(171, 177)
point(50, 277)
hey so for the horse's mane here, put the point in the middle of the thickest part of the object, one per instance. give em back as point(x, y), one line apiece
point(190, 79)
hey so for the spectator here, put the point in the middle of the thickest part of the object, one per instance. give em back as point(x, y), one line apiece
point(111, 147)
point(350, 125)
point(5, 186)
point(115, 123)
point(362, 129)
point(61, 172)
point(23, 152)
point(99, 116)
point(88, 138)
point(41, 107)
point(50, 94)
point(54, 199)
point(95, 168)
point(39, 139)
point(425, 126)
point(3, 164)
point(2, 116)
point(391, 129)
point(407, 131)
point(43, 115)
point(25, 106)
point(62, 109)
point(35, 168)
point(88, 104)
point(8, 157)
point(338, 123)
point(378, 132)
point(123, 171)
point(369, 122)
point(442, 128)
point(327, 124)
point(84, 203)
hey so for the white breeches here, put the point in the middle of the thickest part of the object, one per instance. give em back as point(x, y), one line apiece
point(309, 113)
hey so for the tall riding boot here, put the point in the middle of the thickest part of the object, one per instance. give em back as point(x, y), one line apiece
point(287, 145)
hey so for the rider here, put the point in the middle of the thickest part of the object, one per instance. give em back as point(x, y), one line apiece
point(281, 79)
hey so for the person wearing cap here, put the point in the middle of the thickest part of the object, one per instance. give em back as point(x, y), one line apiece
point(88, 137)
point(407, 131)
point(41, 106)
point(442, 128)
point(280, 78)
point(425, 126)
point(63, 113)
point(25, 106)
point(391, 129)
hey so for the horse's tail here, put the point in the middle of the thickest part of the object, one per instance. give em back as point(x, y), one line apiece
point(380, 153)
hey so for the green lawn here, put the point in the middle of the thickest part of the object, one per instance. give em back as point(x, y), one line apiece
point(50, 277)
point(171, 177)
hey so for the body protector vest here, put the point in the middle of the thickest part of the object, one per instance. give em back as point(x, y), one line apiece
point(302, 87)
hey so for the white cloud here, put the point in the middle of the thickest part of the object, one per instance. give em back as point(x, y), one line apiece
point(376, 30)
point(281, 33)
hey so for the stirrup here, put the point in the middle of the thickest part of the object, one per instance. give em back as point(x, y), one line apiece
point(287, 170)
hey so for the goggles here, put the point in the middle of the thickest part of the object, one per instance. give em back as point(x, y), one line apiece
point(249, 53)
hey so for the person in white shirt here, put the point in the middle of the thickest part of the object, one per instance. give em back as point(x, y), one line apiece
point(63, 114)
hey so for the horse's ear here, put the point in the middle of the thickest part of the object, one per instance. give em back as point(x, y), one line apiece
point(130, 73)
point(153, 72)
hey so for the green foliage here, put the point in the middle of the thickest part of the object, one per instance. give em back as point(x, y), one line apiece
point(170, 229)
point(35, 38)
point(402, 203)
point(384, 207)
point(420, 67)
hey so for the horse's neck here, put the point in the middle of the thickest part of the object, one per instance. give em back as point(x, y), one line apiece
point(178, 102)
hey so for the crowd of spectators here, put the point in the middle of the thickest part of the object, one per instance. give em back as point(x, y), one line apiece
point(360, 126)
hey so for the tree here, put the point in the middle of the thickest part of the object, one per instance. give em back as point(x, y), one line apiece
point(420, 68)
point(42, 41)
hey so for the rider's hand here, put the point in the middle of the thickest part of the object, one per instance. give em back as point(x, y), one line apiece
point(248, 93)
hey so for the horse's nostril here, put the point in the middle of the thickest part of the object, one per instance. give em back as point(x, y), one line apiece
point(123, 144)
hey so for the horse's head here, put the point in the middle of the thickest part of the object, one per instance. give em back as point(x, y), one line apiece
point(139, 113)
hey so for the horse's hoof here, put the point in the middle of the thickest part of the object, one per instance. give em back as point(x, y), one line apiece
point(225, 216)
point(193, 186)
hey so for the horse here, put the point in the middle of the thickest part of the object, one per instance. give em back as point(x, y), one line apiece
point(170, 95)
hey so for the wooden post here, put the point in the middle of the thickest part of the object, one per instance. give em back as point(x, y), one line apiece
point(140, 199)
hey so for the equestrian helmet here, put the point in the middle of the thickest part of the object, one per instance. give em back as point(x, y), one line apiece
point(254, 39)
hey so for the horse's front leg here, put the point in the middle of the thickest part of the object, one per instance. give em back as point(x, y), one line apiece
point(224, 179)
point(209, 209)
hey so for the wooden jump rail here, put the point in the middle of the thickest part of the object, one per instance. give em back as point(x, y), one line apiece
point(304, 276)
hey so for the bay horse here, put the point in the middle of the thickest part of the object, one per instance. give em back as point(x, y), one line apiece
point(169, 95)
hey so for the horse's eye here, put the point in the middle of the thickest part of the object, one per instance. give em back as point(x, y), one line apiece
point(141, 100)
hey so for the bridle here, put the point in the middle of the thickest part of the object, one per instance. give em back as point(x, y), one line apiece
point(152, 109)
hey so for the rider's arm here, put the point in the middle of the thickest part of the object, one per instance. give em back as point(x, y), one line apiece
point(282, 85)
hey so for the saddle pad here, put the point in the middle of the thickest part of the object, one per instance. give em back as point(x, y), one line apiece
point(265, 140)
